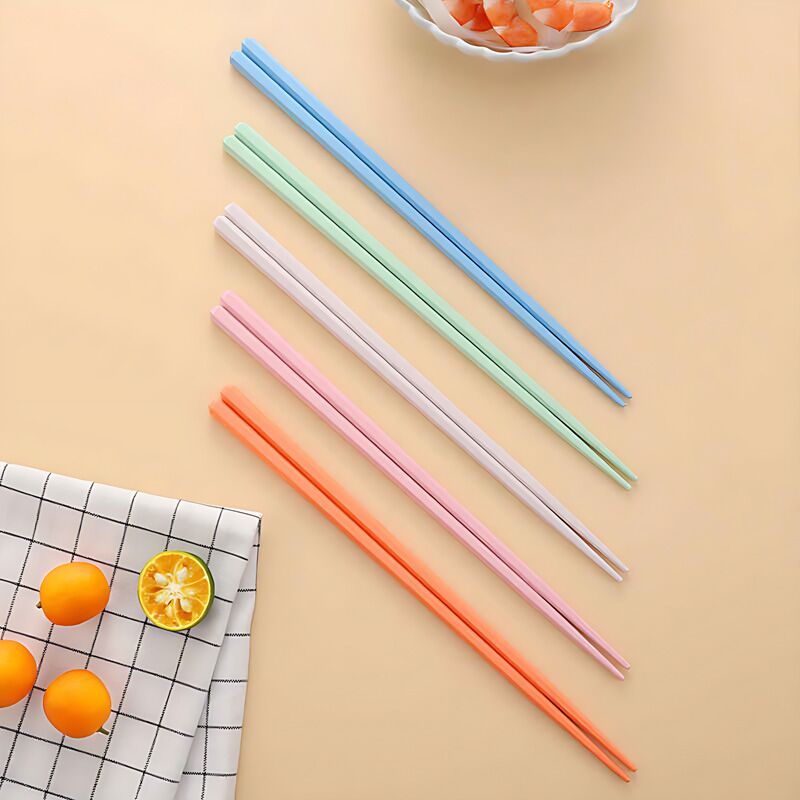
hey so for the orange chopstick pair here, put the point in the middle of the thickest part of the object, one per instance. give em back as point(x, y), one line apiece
point(245, 421)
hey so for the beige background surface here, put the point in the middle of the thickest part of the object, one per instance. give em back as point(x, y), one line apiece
point(645, 190)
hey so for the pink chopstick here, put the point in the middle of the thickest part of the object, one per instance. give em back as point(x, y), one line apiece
point(268, 256)
point(249, 330)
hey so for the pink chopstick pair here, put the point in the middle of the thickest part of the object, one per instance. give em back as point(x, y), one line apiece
point(262, 342)
point(299, 283)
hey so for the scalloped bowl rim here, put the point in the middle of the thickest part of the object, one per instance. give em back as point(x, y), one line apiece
point(497, 55)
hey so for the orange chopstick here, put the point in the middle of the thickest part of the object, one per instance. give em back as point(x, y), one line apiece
point(242, 418)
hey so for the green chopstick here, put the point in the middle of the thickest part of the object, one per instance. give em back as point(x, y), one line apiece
point(260, 158)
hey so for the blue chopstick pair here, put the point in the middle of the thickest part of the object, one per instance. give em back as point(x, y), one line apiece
point(273, 80)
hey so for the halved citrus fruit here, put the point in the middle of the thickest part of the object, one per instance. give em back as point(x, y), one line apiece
point(176, 590)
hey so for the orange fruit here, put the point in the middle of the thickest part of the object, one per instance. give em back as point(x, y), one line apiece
point(72, 593)
point(176, 590)
point(77, 703)
point(17, 672)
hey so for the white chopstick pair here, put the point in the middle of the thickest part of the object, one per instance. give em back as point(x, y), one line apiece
point(244, 234)
point(268, 348)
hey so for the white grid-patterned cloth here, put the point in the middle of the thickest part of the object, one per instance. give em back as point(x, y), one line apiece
point(177, 698)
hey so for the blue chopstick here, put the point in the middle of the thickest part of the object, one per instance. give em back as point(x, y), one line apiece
point(256, 64)
point(349, 159)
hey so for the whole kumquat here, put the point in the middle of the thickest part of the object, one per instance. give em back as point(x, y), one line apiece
point(77, 704)
point(17, 672)
point(73, 593)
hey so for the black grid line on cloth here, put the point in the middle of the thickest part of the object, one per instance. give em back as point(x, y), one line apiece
point(205, 733)
point(37, 789)
point(132, 667)
point(205, 749)
point(208, 702)
point(116, 712)
point(251, 514)
point(99, 621)
point(158, 725)
point(133, 525)
point(178, 665)
point(88, 753)
point(211, 775)
point(107, 660)
point(220, 727)
point(206, 726)
point(104, 756)
point(120, 615)
point(67, 552)
point(114, 569)
point(8, 618)
point(150, 624)
point(30, 540)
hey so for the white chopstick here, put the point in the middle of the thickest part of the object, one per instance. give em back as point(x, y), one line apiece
point(244, 234)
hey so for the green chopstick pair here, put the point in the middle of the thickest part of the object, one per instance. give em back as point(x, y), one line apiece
point(258, 156)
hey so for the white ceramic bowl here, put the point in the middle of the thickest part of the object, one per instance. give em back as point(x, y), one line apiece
point(621, 10)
